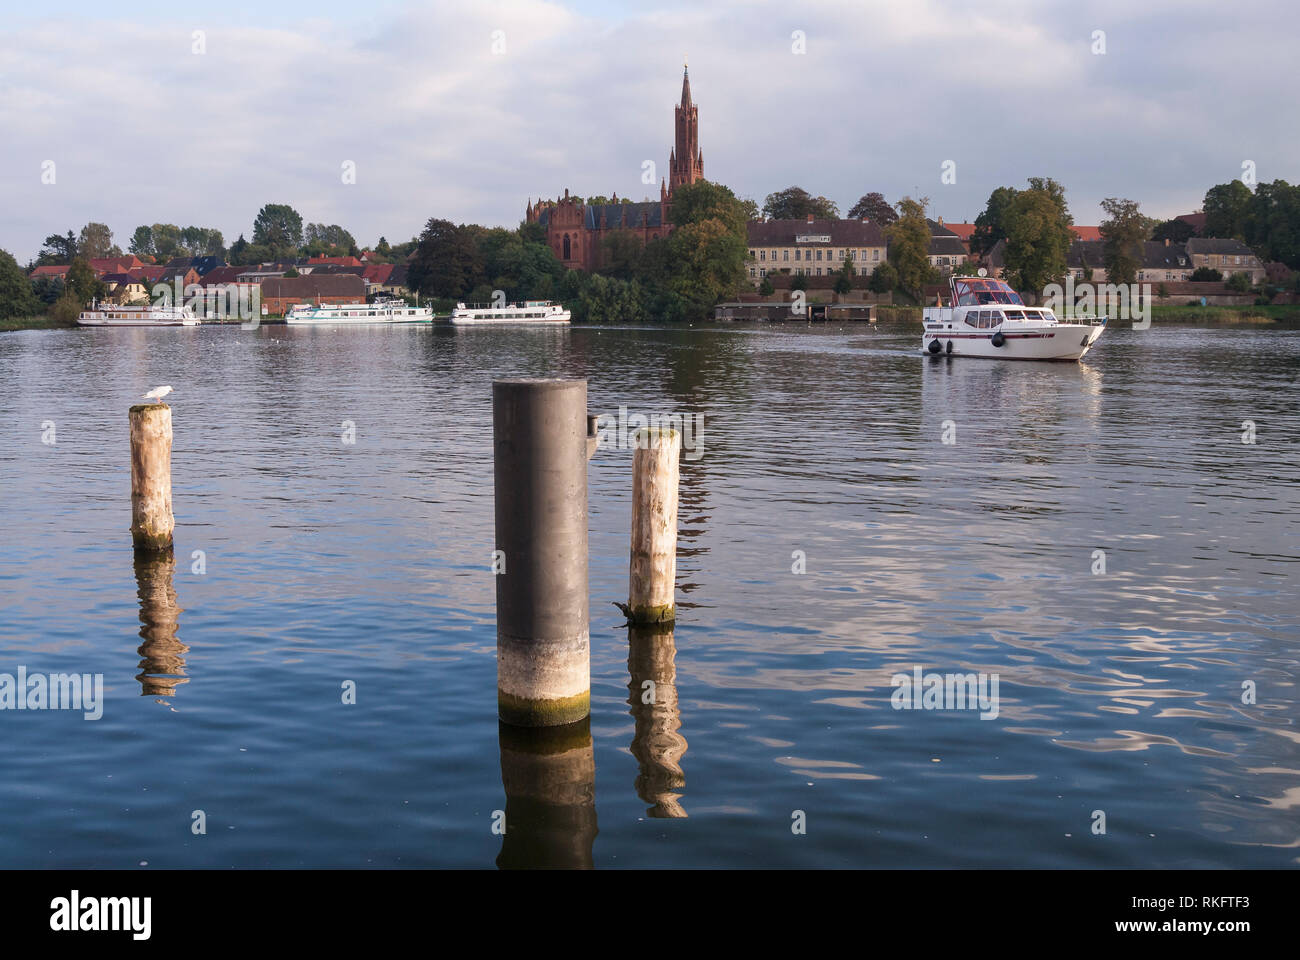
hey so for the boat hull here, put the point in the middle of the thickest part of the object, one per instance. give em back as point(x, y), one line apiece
point(137, 323)
point(1062, 341)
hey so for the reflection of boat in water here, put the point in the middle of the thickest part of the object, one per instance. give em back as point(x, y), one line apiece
point(656, 744)
point(549, 774)
point(986, 318)
point(162, 668)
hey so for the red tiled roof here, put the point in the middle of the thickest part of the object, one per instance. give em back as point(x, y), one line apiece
point(340, 261)
point(50, 271)
point(314, 285)
point(1087, 233)
point(1194, 220)
point(378, 273)
point(115, 264)
point(963, 230)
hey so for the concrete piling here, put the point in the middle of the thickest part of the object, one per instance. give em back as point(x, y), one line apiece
point(652, 572)
point(540, 443)
point(151, 476)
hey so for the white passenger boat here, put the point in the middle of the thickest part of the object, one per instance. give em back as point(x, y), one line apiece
point(986, 318)
point(381, 311)
point(530, 311)
point(111, 315)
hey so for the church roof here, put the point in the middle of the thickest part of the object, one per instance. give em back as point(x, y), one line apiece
point(615, 215)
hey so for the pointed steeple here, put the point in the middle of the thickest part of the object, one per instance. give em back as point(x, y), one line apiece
point(686, 87)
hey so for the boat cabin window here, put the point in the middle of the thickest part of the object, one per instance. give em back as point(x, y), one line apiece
point(974, 291)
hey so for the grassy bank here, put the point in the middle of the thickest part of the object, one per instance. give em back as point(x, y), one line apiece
point(41, 322)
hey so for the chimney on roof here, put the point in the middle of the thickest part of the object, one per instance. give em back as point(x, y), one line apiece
point(810, 218)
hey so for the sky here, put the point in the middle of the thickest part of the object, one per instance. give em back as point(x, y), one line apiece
point(465, 111)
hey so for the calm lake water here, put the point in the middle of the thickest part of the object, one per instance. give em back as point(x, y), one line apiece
point(1120, 691)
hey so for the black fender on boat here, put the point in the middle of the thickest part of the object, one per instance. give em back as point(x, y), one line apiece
point(950, 346)
point(998, 339)
point(935, 345)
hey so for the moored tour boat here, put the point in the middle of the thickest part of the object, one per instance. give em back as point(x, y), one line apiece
point(381, 311)
point(986, 318)
point(111, 315)
point(530, 311)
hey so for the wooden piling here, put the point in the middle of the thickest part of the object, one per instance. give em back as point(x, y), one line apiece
point(151, 476)
point(652, 571)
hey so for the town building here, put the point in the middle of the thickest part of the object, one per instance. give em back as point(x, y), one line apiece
point(577, 231)
point(813, 247)
point(1228, 256)
point(947, 251)
point(281, 293)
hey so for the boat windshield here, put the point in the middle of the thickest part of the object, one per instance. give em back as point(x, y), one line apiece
point(973, 291)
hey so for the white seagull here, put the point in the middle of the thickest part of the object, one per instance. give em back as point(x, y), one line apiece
point(157, 393)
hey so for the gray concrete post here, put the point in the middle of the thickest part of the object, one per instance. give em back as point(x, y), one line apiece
point(539, 437)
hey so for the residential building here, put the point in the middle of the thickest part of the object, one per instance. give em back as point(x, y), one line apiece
point(947, 251)
point(813, 247)
point(1228, 256)
point(281, 293)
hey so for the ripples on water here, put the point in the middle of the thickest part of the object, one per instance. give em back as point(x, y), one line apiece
point(325, 563)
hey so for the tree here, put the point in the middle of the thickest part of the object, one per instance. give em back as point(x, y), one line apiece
point(883, 279)
point(383, 249)
point(58, 250)
point(796, 203)
point(844, 276)
point(1122, 234)
point(16, 296)
point(765, 288)
point(620, 254)
point(989, 228)
point(82, 282)
point(447, 261)
point(96, 241)
point(1206, 275)
point(751, 209)
point(330, 240)
point(1272, 222)
point(874, 207)
point(1175, 231)
point(909, 246)
point(166, 241)
point(1239, 282)
point(47, 289)
point(279, 227)
point(1225, 210)
point(142, 242)
point(1037, 223)
point(702, 262)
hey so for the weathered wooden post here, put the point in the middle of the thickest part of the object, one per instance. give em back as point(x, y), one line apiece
point(539, 435)
point(652, 572)
point(151, 476)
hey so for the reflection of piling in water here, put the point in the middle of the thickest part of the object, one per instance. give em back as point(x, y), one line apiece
point(549, 774)
point(657, 745)
point(163, 666)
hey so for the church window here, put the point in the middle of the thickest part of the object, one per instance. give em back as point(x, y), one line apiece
point(567, 253)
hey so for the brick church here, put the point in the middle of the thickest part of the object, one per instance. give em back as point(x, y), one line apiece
point(576, 231)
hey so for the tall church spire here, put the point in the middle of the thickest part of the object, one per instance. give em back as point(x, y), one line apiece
point(686, 162)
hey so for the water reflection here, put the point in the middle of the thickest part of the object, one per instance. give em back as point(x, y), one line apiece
point(162, 668)
point(656, 744)
point(549, 774)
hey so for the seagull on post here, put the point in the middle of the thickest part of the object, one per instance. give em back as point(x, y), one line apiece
point(157, 393)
